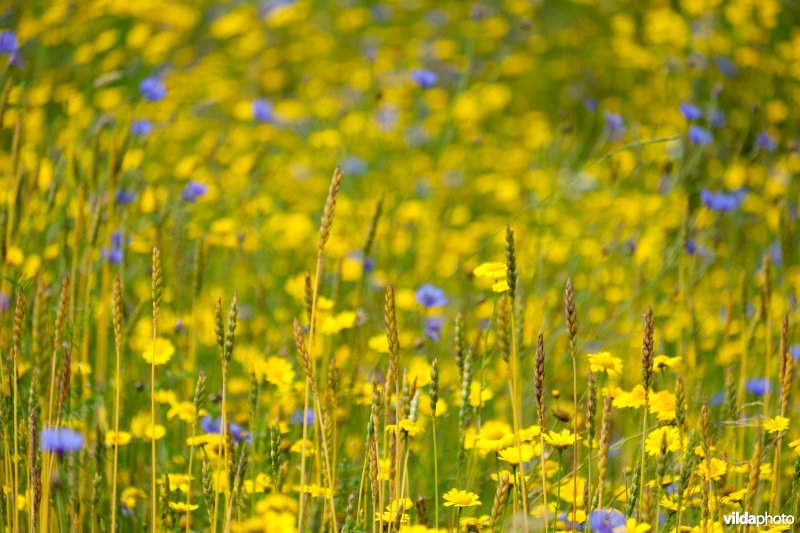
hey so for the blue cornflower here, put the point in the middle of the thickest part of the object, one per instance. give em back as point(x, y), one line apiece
point(141, 127)
point(354, 166)
point(297, 417)
point(590, 104)
point(4, 302)
point(114, 253)
point(723, 201)
point(124, 197)
point(193, 191)
point(602, 521)
point(691, 247)
point(428, 296)
point(61, 440)
point(8, 42)
point(795, 350)
point(690, 111)
point(758, 386)
point(718, 118)
point(262, 110)
point(152, 89)
point(766, 142)
point(424, 78)
point(698, 135)
point(614, 124)
point(718, 398)
point(212, 427)
point(433, 328)
point(726, 66)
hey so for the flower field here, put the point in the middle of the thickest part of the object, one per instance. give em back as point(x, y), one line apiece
point(399, 266)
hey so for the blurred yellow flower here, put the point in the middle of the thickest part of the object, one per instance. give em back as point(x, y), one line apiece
point(605, 362)
point(776, 424)
point(164, 350)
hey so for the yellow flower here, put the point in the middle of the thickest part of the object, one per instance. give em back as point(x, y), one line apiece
point(560, 440)
point(662, 404)
point(795, 445)
point(405, 503)
point(164, 350)
point(605, 362)
point(653, 443)
point(460, 498)
point(515, 456)
point(119, 438)
point(158, 431)
point(183, 410)
point(182, 507)
point(408, 426)
point(500, 286)
point(714, 469)
point(776, 425)
point(661, 362)
point(479, 395)
point(634, 398)
point(494, 436)
point(130, 495)
point(490, 270)
point(632, 526)
point(338, 322)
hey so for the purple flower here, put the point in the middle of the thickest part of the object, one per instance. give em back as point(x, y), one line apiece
point(718, 118)
point(723, 201)
point(726, 66)
point(433, 328)
point(193, 191)
point(4, 302)
point(766, 142)
point(262, 110)
point(297, 417)
point(602, 521)
point(428, 296)
point(8, 42)
point(758, 386)
point(691, 247)
point(424, 78)
point(61, 440)
point(141, 127)
point(698, 135)
point(152, 89)
point(590, 104)
point(690, 111)
point(179, 326)
point(614, 124)
point(795, 350)
point(354, 166)
point(124, 197)
point(212, 426)
point(718, 398)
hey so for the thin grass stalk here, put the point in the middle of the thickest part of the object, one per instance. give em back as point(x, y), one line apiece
point(116, 306)
point(157, 290)
point(326, 224)
point(572, 330)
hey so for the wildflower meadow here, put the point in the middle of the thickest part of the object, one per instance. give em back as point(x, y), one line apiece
point(399, 266)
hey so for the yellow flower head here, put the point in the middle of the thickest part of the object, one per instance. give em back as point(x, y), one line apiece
point(654, 439)
point(605, 362)
point(164, 350)
point(776, 425)
point(460, 498)
point(560, 440)
point(515, 456)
